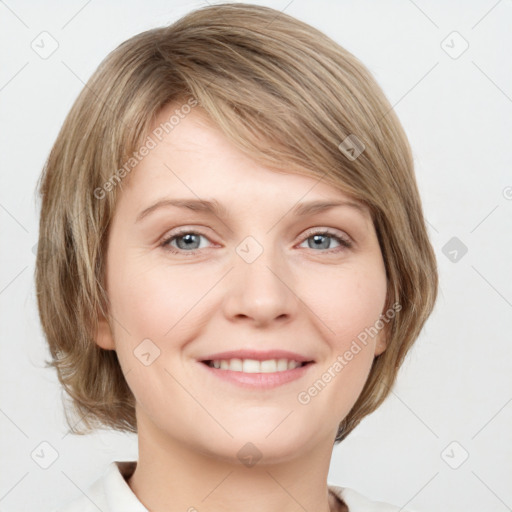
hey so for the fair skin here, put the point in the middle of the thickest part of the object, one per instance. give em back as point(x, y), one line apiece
point(312, 299)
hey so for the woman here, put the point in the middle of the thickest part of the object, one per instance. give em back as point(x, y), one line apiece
point(239, 361)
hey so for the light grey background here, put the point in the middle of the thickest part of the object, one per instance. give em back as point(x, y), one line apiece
point(454, 393)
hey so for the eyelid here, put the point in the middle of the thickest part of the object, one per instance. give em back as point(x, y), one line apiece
point(175, 233)
point(345, 240)
point(329, 231)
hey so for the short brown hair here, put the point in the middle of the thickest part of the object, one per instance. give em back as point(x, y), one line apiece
point(284, 93)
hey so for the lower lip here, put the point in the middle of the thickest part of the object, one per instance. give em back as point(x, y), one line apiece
point(259, 380)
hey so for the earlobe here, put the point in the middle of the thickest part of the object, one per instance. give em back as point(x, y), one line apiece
point(381, 344)
point(104, 337)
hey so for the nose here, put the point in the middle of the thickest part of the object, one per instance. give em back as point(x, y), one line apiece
point(259, 290)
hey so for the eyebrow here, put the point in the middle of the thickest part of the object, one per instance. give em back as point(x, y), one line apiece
point(212, 206)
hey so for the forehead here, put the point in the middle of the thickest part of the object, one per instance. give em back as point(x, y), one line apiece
point(191, 158)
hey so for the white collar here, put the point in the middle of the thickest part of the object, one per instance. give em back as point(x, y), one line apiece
point(111, 493)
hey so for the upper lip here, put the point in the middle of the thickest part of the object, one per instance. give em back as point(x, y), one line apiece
point(257, 355)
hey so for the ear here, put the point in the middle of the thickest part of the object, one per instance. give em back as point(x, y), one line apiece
point(382, 340)
point(381, 344)
point(383, 336)
point(104, 337)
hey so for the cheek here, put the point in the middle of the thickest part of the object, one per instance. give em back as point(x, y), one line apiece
point(151, 300)
point(156, 310)
point(149, 310)
point(349, 307)
point(349, 301)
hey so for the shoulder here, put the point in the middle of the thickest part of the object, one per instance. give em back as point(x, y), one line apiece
point(92, 500)
point(109, 493)
point(356, 502)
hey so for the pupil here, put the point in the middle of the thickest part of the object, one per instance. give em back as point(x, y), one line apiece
point(188, 240)
point(317, 239)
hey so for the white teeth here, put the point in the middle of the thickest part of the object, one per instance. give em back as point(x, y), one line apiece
point(270, 366)
point(251, 366)
point(255, 366)
point(282, 364)
point(235, 365)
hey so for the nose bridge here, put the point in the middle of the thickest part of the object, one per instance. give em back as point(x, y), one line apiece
point(259, 282)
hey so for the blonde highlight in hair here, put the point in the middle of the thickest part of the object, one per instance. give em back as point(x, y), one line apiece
point(286, 95)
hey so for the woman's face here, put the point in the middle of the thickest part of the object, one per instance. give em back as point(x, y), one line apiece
point(259, 275)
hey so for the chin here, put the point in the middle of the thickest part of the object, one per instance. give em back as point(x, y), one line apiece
point(259, 446)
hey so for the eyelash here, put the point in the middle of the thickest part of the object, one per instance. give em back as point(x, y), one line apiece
point(344, 242)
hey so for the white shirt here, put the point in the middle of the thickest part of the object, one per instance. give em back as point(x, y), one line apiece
point(111, 493)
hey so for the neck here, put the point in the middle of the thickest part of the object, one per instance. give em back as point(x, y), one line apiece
point(172, 476)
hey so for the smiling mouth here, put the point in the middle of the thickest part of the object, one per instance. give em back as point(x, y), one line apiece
point(255, 366)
